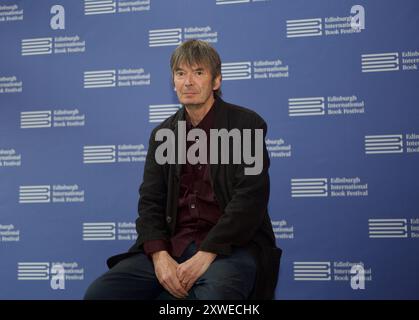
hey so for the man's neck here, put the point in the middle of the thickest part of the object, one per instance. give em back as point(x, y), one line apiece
point(197, 112)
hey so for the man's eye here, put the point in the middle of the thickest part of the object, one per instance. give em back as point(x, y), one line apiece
point(199, 73)
point(179, 74)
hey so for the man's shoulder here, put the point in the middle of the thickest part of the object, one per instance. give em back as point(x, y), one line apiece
point(241, 113)
point(169, 122)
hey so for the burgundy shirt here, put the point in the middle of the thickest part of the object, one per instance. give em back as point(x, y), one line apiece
point(198, 209)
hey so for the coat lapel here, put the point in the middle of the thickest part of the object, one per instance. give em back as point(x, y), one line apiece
point(180, 117)
point(220, 121)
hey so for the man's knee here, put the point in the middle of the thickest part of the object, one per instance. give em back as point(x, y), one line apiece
point(99, 289)
point(116, 285)
point(227, 279)
point(215, 290)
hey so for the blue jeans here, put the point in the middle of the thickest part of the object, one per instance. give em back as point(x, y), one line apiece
point(227, 278)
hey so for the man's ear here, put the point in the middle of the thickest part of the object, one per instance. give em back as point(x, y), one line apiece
point(217, 82)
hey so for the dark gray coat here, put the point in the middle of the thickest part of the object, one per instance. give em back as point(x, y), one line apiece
point(243, 201)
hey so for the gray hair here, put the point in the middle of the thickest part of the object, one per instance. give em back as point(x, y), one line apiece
point(197, 52)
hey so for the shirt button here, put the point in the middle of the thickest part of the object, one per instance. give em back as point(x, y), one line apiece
point(193, 206)
point(196, 139)
point(168, 219)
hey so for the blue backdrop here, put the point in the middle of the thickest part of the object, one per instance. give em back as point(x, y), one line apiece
point(83, 83)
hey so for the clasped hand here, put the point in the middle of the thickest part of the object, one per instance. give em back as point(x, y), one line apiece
point(177, 278)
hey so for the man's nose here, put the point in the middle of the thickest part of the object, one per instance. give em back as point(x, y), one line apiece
point(189, 80)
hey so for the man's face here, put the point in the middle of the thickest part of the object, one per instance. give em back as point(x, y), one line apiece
point(194, 84)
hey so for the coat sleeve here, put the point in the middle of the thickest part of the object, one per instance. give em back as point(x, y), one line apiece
point(151, 223)
point(244, 213)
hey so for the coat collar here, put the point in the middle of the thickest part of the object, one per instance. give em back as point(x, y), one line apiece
point(220, 119)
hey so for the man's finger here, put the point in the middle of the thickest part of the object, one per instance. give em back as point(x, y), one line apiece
point(179, 288)
point(190, 284)
point(170, 287)
point(176, 289)
point(173, 292)
point(180, 273)
point(184, 284)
